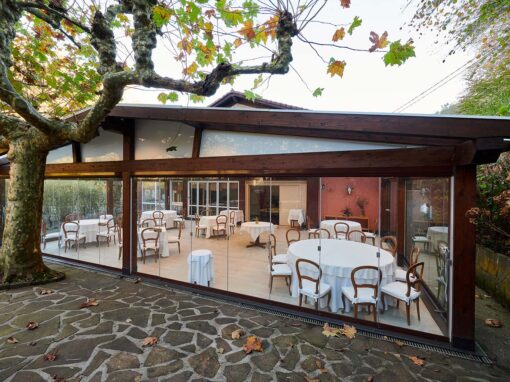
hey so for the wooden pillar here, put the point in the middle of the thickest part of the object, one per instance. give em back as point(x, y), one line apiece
point(313, 206)
point(184, 197)
point(128, 212)
point(401, 219)
point(197, 141)
point(109, 196)
point(166, 190)
point(464, 259)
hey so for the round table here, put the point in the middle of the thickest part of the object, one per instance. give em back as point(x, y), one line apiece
point(168, 216)
point(163, 242)
point(89, 228)
point(200, 267)
point(210, 222)
point(337, 259)
point(330, 226)
point(437, 234)
point(238, 215)
point(254, 229)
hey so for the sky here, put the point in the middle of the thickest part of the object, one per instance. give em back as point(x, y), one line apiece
point(367, 85)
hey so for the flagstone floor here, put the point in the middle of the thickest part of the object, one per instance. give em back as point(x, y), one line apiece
point(104, 342)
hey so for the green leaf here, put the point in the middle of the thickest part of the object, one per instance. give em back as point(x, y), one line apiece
point(173, 97)
point(161, 15)
point(355, 23)
point(318, 92)
point(251, 96)
point(398, 53)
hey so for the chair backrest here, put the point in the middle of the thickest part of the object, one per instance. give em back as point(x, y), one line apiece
point(416, 272)
point(357, 234)
point(292, 235)
point(44, 228)
point(302, 277)
point(317, 234)
point(374, 285)
point(221, 222)
point(103, 216)
point(118, 220)
point(70, 227)
point(196, 219)
point(341, 228)
point(158, 217)
point(232, 217)
point(272, 245)
point(119, 234)
point(71, 217)
point(391, 243)
point(149, 222)
point(149, 235)
point(415, 254)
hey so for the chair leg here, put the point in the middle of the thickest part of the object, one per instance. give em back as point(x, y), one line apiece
point(375, 313)
point(270, 284)
point(329, 301)
point(143, 256)
point(355, 307)
point(179, 246)
point(383, 303)
point(317, 303)
point(398, 304)
point(290, 280)
point(300, 299)
point(343, 303)
point(408, 314)
point(418, 308)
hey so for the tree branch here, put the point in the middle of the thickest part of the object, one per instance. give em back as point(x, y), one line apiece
point(59, 14)
point(10, 126)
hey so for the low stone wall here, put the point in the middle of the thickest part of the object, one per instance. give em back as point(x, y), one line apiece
point(493, 274)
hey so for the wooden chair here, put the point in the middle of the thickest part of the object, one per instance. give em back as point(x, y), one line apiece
point(391, 244)
point(150, 242)
point(292, 232)
point(121, 243)
point(341, 230)
point(180, 220)
point(400, 273)
point(311, 287)
point(198, 228)
point(148, 223)
point(309, 228)
point(406, 292)
point(176, 239)
point(159, 218)
point(72, 235)
point(278, 270)
point(221, 226)
point(321, 232)
point(107, 231)
point(363, 294)
point(232, 222)
point(276, 259)
point(355, 234)
point(72, 217)
point(118, 222)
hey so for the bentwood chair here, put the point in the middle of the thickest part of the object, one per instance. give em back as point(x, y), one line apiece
point(148, 223)
point(72, 235)
point(150, 242)
point(72, 217)
point(176, 239)
point(365, 294)
point(221, 226)
point(309, 228)
point(292, 235)
point(119, 239)
point(106, 231)
point(389, 243)
point(276, 259)
point(321, 233)
point(278, 270)
point(357, 235)
point(407, 292)
point(199, 228)
point(400, 273)
point(310, 286)
point(180, 220)
point(159, 218)
point(341, 230)
point(232, 222)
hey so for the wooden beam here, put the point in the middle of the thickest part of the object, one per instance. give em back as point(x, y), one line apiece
point(76, 148)
point(128, 143)
point(197, 141)
point(464, 257)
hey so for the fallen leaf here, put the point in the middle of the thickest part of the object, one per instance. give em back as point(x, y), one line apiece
point(320, 366)
point(252, 344)
point(138, 280)
point(296, 324)
point(397, 355)
point(12, 340)
point(150, 341)
point(349, 331)
point(129, 320)
point(328, 331)
point(50, 356)
point(33, 343)
point(417, 361)
point(90, 302)
point(236, 334)
point(493, 323)
point(56, 378)
point(370, 378)
point(477, 296)
point(44, 291)
point(31, 325)
point(308, 379)
point(220, 350)
point(399, 343)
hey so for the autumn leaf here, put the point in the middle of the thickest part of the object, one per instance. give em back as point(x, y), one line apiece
point(90, 302)
point(252, 344)
point(493, 323)
point(12, 340)
point(417, 361)
point(339, 34)
point(236, 334)
point(31, 325)
point(328, 331)
point(238, 42)
point(320, 366)
point(378, 42)
point(248, 32)
point(150, 341)
point(190, 70)
point(309, 379)
point(349, 331)
point(52, 356)
point(220, 350)
point(345, 3)
point(336, 67)
point(44, 291)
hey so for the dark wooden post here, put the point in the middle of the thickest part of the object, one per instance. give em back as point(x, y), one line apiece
point(313, 207)
point(197, 141)
point(464, 259)
point(166, 190)
point(401, 219)
point(128, 195)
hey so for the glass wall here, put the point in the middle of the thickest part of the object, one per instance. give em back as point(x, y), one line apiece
point(82, 219)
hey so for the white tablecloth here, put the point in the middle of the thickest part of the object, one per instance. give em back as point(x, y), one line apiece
point(168, 216)
point(239, 215)
point(337, 260)
point(88, 227)
point(297, 214)
point(210, 222)
point(255, 229)
point(436, 234)
point(330, 226)
point(200, 267)
point(163, 242)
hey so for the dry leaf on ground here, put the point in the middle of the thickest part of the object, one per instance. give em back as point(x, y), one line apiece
point(90, 302)
point(252, 344)
point(12, 340)
point(320, 366)
point(129, 320)
point(236, 334)
point(328, 331)
point(296, 324)
point(349, 331)
point(417, 361)
point(220, 350)
point(399, 343)
point(309, 379)
point(31, 325)
point(44, 291)
point(50, 356)
point(150, 341)
point(56, 378)
point(493, 323)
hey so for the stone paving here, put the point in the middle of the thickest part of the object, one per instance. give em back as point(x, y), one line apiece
point(104, 342)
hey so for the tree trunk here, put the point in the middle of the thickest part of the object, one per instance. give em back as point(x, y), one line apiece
point(20, 257)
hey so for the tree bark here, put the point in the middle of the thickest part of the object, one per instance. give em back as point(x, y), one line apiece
point(20, 257)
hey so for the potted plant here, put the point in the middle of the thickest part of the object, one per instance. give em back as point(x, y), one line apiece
point(347, 211)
